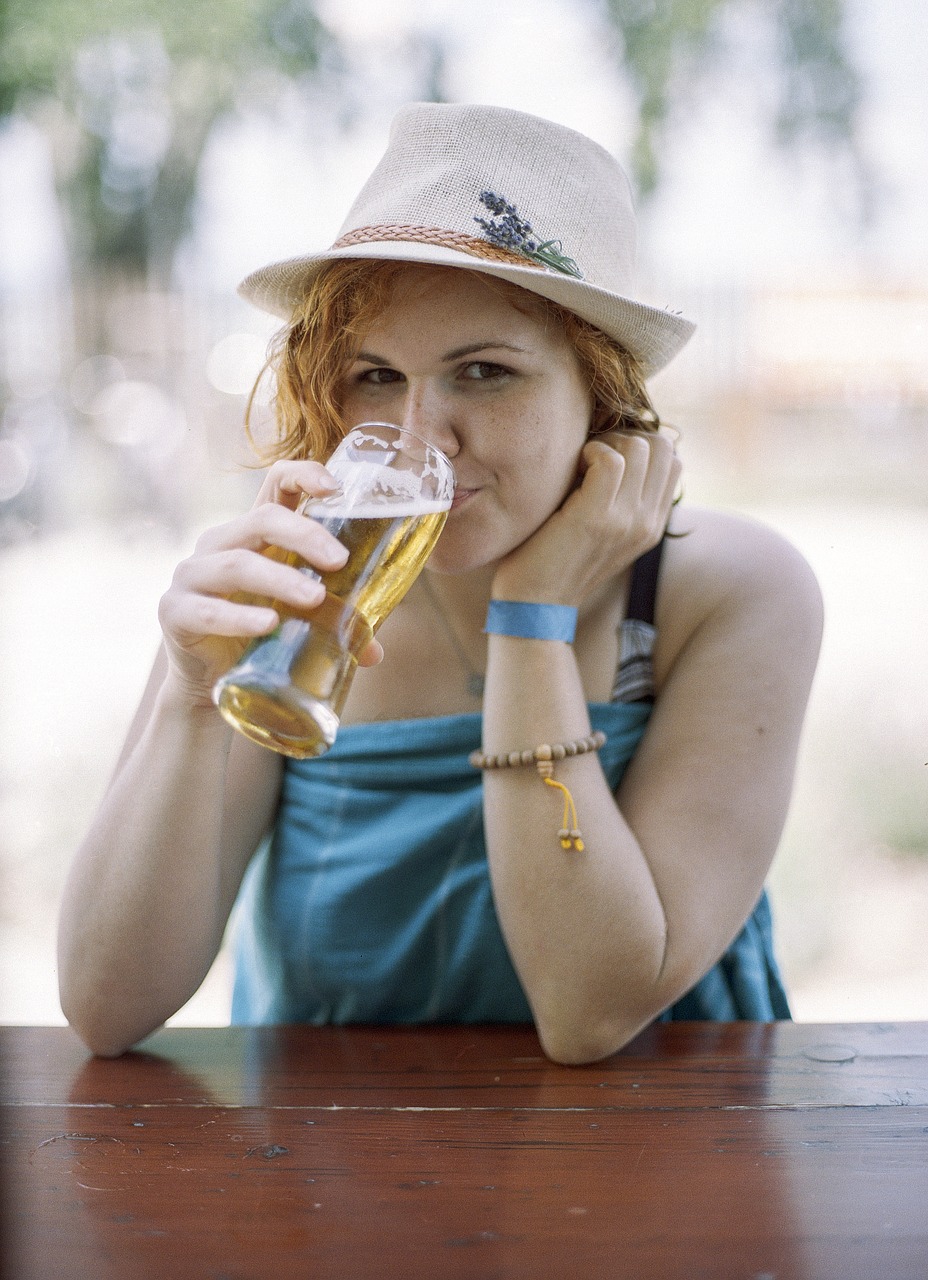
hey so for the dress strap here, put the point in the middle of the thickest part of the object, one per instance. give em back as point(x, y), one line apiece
point(643, 591)
point(634, 679)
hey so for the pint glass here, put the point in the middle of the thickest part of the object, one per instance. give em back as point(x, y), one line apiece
point(289, 687)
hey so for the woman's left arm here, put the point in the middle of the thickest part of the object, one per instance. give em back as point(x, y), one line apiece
point(605, 939)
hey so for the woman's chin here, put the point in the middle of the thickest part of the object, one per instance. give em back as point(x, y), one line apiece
point(456, 555)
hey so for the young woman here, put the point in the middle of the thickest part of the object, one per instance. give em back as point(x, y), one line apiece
point(480, 295)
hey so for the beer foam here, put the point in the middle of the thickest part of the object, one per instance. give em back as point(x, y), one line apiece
point(374, 488)
point(372, 481)
point(387, 508)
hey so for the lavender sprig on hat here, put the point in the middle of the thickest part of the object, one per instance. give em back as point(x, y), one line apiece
point(508, 231)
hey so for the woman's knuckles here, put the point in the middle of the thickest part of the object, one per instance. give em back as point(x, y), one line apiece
point(211, 615)
point(240, 568)
point(211, 540)
point(288, 480)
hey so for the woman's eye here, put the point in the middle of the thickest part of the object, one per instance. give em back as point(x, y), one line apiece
point(483, 370)
point(380, 376)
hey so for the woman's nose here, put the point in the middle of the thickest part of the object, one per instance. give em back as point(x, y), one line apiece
point(428, 415)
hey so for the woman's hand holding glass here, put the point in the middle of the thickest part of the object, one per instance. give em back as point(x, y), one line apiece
point(220, 597)
point(618, 510)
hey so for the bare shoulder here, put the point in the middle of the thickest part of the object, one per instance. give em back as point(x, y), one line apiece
point(726, 551)
point(722, 569)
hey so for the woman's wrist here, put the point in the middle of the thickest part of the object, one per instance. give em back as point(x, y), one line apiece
point(531, 620)
point(553, 585)
point(177, 698)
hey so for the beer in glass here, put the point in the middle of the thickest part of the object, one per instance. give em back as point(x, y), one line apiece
point(288, 690)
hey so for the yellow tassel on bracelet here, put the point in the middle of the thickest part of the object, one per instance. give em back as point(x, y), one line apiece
point(571, 837)
point(544, 758)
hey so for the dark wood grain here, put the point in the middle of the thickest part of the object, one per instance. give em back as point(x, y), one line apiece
point(702, 1150)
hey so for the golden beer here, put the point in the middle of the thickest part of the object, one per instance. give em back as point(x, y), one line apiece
point(289, 689)
point(385, 553)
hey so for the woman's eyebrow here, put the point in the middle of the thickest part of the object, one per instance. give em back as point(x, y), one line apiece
point(474, 347)
point(470, 349)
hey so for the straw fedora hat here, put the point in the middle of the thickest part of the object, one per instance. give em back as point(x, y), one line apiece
point(507, 194)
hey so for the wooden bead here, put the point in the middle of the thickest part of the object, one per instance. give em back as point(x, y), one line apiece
point(544, 754)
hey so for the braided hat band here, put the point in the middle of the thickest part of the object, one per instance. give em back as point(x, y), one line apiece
point(509, 195)
point(431, 235)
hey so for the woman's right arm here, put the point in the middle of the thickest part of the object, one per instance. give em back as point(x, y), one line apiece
point(152, 885)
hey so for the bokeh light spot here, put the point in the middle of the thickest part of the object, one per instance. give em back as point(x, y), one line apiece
point(15, 469)
point(135, 414)
point(235, 362)
point(91, 377)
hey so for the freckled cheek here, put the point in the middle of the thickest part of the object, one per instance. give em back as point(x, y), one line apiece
point(522, 439)
point(553, 468)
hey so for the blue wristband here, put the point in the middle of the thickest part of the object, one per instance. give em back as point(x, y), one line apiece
point(531, 621)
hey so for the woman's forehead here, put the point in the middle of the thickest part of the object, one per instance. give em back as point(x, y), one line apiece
point(456, 294)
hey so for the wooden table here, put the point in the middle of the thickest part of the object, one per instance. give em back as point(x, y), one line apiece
point(756, 1151)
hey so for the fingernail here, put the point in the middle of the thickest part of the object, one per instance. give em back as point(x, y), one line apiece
point(328, 481)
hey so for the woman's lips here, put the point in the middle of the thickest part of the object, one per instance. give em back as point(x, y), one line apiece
point(461, 496)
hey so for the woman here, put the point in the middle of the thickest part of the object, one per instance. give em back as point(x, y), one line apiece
point(479, 294)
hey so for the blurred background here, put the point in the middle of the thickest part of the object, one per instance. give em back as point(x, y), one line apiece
point(151, 155)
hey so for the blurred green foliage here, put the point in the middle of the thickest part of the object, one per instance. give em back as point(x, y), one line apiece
point(40, 37)
point(669, 47)
point(130, 89)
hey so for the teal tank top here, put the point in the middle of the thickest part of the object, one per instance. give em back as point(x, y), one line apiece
point(372, 901)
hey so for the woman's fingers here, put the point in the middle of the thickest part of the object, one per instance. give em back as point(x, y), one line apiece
point(628, 488)
point(646, 455)
point(288, 481)
point(225, 588)
point(245, 574)
point(271, 525)
point(631, 474)
point(270, 554)
point(240, 572)
point(371, 654)
point(186, 618)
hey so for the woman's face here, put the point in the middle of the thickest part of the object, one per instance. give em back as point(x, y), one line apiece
point(479, 370)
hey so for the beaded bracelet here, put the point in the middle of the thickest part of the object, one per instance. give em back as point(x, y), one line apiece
point(544, 757)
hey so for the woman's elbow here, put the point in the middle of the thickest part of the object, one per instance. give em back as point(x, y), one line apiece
point(579, 1046)
point(103, 1047)
point(93, 1021)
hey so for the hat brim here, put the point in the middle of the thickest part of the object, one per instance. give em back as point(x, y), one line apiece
point(652, 335)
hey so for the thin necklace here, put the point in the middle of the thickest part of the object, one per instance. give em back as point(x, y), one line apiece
point(475, 681)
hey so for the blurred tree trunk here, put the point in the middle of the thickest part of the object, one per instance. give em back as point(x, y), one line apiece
point(668, 48)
